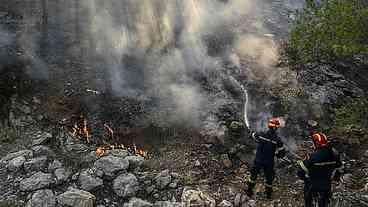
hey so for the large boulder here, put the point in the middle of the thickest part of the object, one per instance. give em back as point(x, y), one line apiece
point(37, 181)
point(76, 198)
point(126, 185)
point(10, 156)
point(41, 138)
point(135, 161)
point(42, 198)
point(16, 163)
point(88, 181)
point(40, 150)
point(36, 164)
point(136, 202)
point(192, 197)
point(163, 179)
point(110, 165)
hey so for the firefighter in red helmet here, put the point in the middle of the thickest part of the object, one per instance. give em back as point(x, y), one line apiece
point(269, 145)
point(318, 169)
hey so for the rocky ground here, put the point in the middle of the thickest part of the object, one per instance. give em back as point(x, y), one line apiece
point(46, 165)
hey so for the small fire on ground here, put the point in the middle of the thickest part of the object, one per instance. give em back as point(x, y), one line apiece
point(81, 130)
point(100, 151)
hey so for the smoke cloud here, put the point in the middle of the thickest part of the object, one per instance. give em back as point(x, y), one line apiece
point(161, 48)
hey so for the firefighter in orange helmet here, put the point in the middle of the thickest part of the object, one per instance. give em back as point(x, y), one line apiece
point(318, 169)
point(268, 145)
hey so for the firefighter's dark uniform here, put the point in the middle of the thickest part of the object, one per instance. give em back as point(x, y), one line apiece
point(268, 145)
point(317, 172)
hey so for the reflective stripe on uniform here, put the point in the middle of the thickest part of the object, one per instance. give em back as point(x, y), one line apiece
point(254, 135)
point(301, 164)
point(324, 163)
point(268, 140)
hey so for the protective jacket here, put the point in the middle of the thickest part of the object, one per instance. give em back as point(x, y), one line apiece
point(268, 145)
point(317, 170)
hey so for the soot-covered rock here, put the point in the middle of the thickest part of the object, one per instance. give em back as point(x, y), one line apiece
point(42, 198)
point(16, 163)
point(126, 185)
point(37, 181)
point(110, 165)
point(163, 179)
point(88, 181)
point(36, 164)
point(77, 198)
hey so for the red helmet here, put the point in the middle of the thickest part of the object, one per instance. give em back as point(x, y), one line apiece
point(320, 139)
point(274, 123)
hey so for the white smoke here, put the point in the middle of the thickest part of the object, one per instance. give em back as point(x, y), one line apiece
point(159, 47)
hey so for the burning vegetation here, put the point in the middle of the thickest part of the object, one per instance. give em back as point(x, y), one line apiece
point(81, 129)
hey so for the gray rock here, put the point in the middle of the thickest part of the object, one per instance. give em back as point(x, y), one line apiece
point(110, 165)
point(135, 161)
point(88, 181)
point(35, 164)
point(192, 197)
point(90, 157)
point(10, 156)
point(37, 181)
point(42, 138)
point(40, 150)
point(163, 179)
point(225, 203)
point(16, 163)
point(136, 202)
point(76, 148)
point(126, 185)
point(77, 198)
point(42, 198)
point(150, 189)
point(118, 153)
point(62, 175)
point(168, 204)
point(54, 165)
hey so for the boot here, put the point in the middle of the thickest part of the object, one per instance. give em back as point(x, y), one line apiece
point(268, 192)
point(249, 191)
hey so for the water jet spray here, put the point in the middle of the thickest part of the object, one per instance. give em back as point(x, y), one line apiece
point(246, 101)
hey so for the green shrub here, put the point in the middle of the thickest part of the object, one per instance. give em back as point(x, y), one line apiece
point(352, 116)
point(7, 135)
point(334, 30)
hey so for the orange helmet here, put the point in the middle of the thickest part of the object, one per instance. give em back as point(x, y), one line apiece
point(274, 123)
point(320, 139)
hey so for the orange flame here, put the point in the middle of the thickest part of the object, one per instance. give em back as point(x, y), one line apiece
point(81, 130)
point(100, 151)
